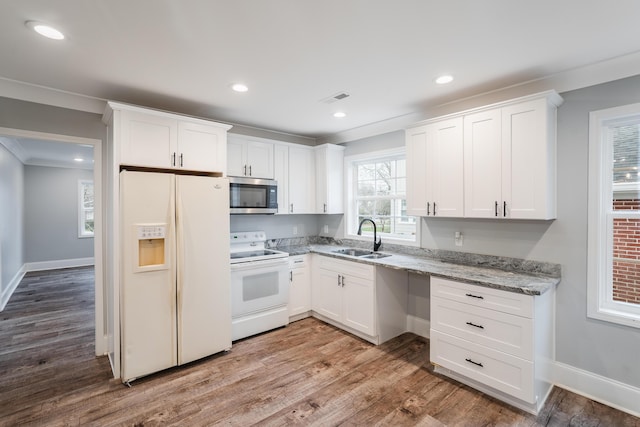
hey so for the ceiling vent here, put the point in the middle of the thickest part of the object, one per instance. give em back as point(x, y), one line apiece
point(337, 97)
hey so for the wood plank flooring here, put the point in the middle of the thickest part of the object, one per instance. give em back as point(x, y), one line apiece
point(308, 373)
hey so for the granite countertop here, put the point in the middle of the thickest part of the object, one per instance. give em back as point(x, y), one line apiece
point(512, 280)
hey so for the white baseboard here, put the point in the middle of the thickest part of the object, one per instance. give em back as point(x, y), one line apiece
point(418, 326)
point(11, 287)
point(61, 263)
point(610, 392)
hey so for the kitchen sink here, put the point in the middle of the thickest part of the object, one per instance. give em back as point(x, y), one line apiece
point(375, 255)
point(353, 252)
point(362, 253)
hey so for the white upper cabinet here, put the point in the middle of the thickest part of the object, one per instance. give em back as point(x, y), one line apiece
point(510, 160)
point(329, 179)
point(201, 147)
point(529, 160)
point(497, 161)
point(150, 138)
point(435, 169)
point(302, 180)
point(417, 182)
point(483, 164)
point(249, 157)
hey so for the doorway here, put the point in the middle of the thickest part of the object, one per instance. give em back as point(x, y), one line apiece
point(98, 238)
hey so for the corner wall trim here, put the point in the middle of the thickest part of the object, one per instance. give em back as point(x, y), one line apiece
point(12, 285)
point(610, 392)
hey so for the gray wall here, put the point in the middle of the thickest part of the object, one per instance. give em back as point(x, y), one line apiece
point(44, 118)
point(599, 347)
point(51, 214)
point(11, 214)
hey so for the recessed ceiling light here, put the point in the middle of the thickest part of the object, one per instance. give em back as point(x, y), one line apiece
point(45, 30)
point(444, 79)
point(339, 114)
point(239, 87)
point(78, 159)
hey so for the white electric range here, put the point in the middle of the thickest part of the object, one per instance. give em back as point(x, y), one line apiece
point(259, 285)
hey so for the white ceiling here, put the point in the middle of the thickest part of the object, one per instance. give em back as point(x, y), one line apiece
point(183, 55)
point(39, 152)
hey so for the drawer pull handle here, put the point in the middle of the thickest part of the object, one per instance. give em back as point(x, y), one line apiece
point(474, 325)
point(475, 363)
point(474, 296)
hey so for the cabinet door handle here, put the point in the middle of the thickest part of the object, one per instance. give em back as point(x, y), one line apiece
point(475, 363)
point(428, 208)
point(343, 281)
point(250, 170)
point(291, 276)
point(181, 163)
point(339, 280)
point(325, 208)
point(475, 326)
point(245, 170)
point(434, 208)
point(173, 159)
point(474, 296)
point(496, 208)
point(504, 209)
point(291, 208)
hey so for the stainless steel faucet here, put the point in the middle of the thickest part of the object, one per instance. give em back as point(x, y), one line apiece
point(376, 242)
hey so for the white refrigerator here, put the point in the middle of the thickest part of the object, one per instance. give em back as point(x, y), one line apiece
point(175, 274)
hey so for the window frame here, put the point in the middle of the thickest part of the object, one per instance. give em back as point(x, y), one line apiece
point(601, 189)
point(82, 234)
point(350, 212)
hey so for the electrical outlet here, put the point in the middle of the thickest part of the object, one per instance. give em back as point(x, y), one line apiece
point(458, 238)
point(295, 230)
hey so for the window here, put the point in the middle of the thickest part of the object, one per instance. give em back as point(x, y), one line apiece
point(614, 215)
point(376, 188)
point(85, 208)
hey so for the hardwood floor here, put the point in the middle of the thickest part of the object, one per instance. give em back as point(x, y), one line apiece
point(308, 373)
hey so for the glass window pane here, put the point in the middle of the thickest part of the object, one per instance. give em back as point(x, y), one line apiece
point(626, 260)
point(384, 187)
point(383, 208)
point(366, 188)
point(625, 153)
point(366, 207)
point(366, 171)
point(383, 170)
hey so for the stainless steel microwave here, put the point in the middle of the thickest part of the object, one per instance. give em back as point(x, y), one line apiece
point(252, 196)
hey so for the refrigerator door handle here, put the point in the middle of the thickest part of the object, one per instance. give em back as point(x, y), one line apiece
point(179, 251)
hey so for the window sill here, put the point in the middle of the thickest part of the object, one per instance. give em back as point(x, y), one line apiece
point(615, 316)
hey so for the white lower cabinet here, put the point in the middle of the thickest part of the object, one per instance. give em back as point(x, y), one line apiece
point(300, 287)
point(365, 300)
point(497, 341)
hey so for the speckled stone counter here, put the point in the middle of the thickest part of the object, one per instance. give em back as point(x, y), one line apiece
point(514, 275)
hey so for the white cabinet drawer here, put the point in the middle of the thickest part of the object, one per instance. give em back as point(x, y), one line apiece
point(506, 302)
point(497, 330)
point(501, 371)
point(351, 268)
